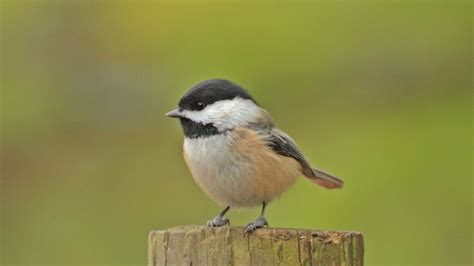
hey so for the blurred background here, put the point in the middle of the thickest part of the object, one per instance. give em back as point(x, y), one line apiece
point(378, 92)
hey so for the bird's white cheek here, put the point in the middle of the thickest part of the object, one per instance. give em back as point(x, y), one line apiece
point(221, 120)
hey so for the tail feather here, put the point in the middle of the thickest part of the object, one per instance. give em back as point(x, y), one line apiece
point(326, 180)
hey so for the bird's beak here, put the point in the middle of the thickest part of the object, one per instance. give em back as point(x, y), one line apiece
point(176, 113)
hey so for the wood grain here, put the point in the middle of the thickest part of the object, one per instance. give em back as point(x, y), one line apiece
point(199, 245)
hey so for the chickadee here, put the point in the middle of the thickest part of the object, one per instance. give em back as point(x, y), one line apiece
point(235, 152)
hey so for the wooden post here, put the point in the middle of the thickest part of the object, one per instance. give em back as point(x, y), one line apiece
point(198, 245)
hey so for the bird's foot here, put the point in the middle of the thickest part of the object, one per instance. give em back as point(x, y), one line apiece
point(219, 220)
point(259, 223)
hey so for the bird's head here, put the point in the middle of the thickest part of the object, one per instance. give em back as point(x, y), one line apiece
point(216, 104)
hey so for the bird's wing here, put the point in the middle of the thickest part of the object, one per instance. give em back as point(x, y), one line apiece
point(284, 145)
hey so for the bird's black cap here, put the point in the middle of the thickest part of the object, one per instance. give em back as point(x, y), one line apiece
point(210, 91)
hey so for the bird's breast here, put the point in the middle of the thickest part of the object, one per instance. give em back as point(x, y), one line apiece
point(237, 168)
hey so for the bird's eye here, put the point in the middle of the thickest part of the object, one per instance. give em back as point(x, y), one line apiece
point(200, 106)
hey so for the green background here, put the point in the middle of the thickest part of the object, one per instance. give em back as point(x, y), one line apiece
point(378, 92)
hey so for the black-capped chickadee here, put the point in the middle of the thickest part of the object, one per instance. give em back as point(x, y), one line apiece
point(235, 152)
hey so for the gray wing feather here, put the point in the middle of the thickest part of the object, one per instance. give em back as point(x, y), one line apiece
point(284, 145)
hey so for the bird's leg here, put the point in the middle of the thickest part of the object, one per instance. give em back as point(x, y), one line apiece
point(259, 223)
point(219, 220)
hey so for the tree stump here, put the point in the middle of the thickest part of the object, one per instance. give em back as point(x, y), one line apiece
point(199, 245)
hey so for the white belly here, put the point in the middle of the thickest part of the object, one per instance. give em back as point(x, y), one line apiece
point(227, 175)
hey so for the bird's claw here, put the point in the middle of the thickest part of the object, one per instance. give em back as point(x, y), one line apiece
point(259, 223)
point(219, 220)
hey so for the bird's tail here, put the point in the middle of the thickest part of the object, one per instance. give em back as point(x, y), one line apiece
point(326, 180)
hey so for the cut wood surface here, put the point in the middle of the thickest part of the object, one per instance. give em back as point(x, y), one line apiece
point(199, 245)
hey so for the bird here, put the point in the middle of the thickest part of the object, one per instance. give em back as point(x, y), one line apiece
point(236, 153)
